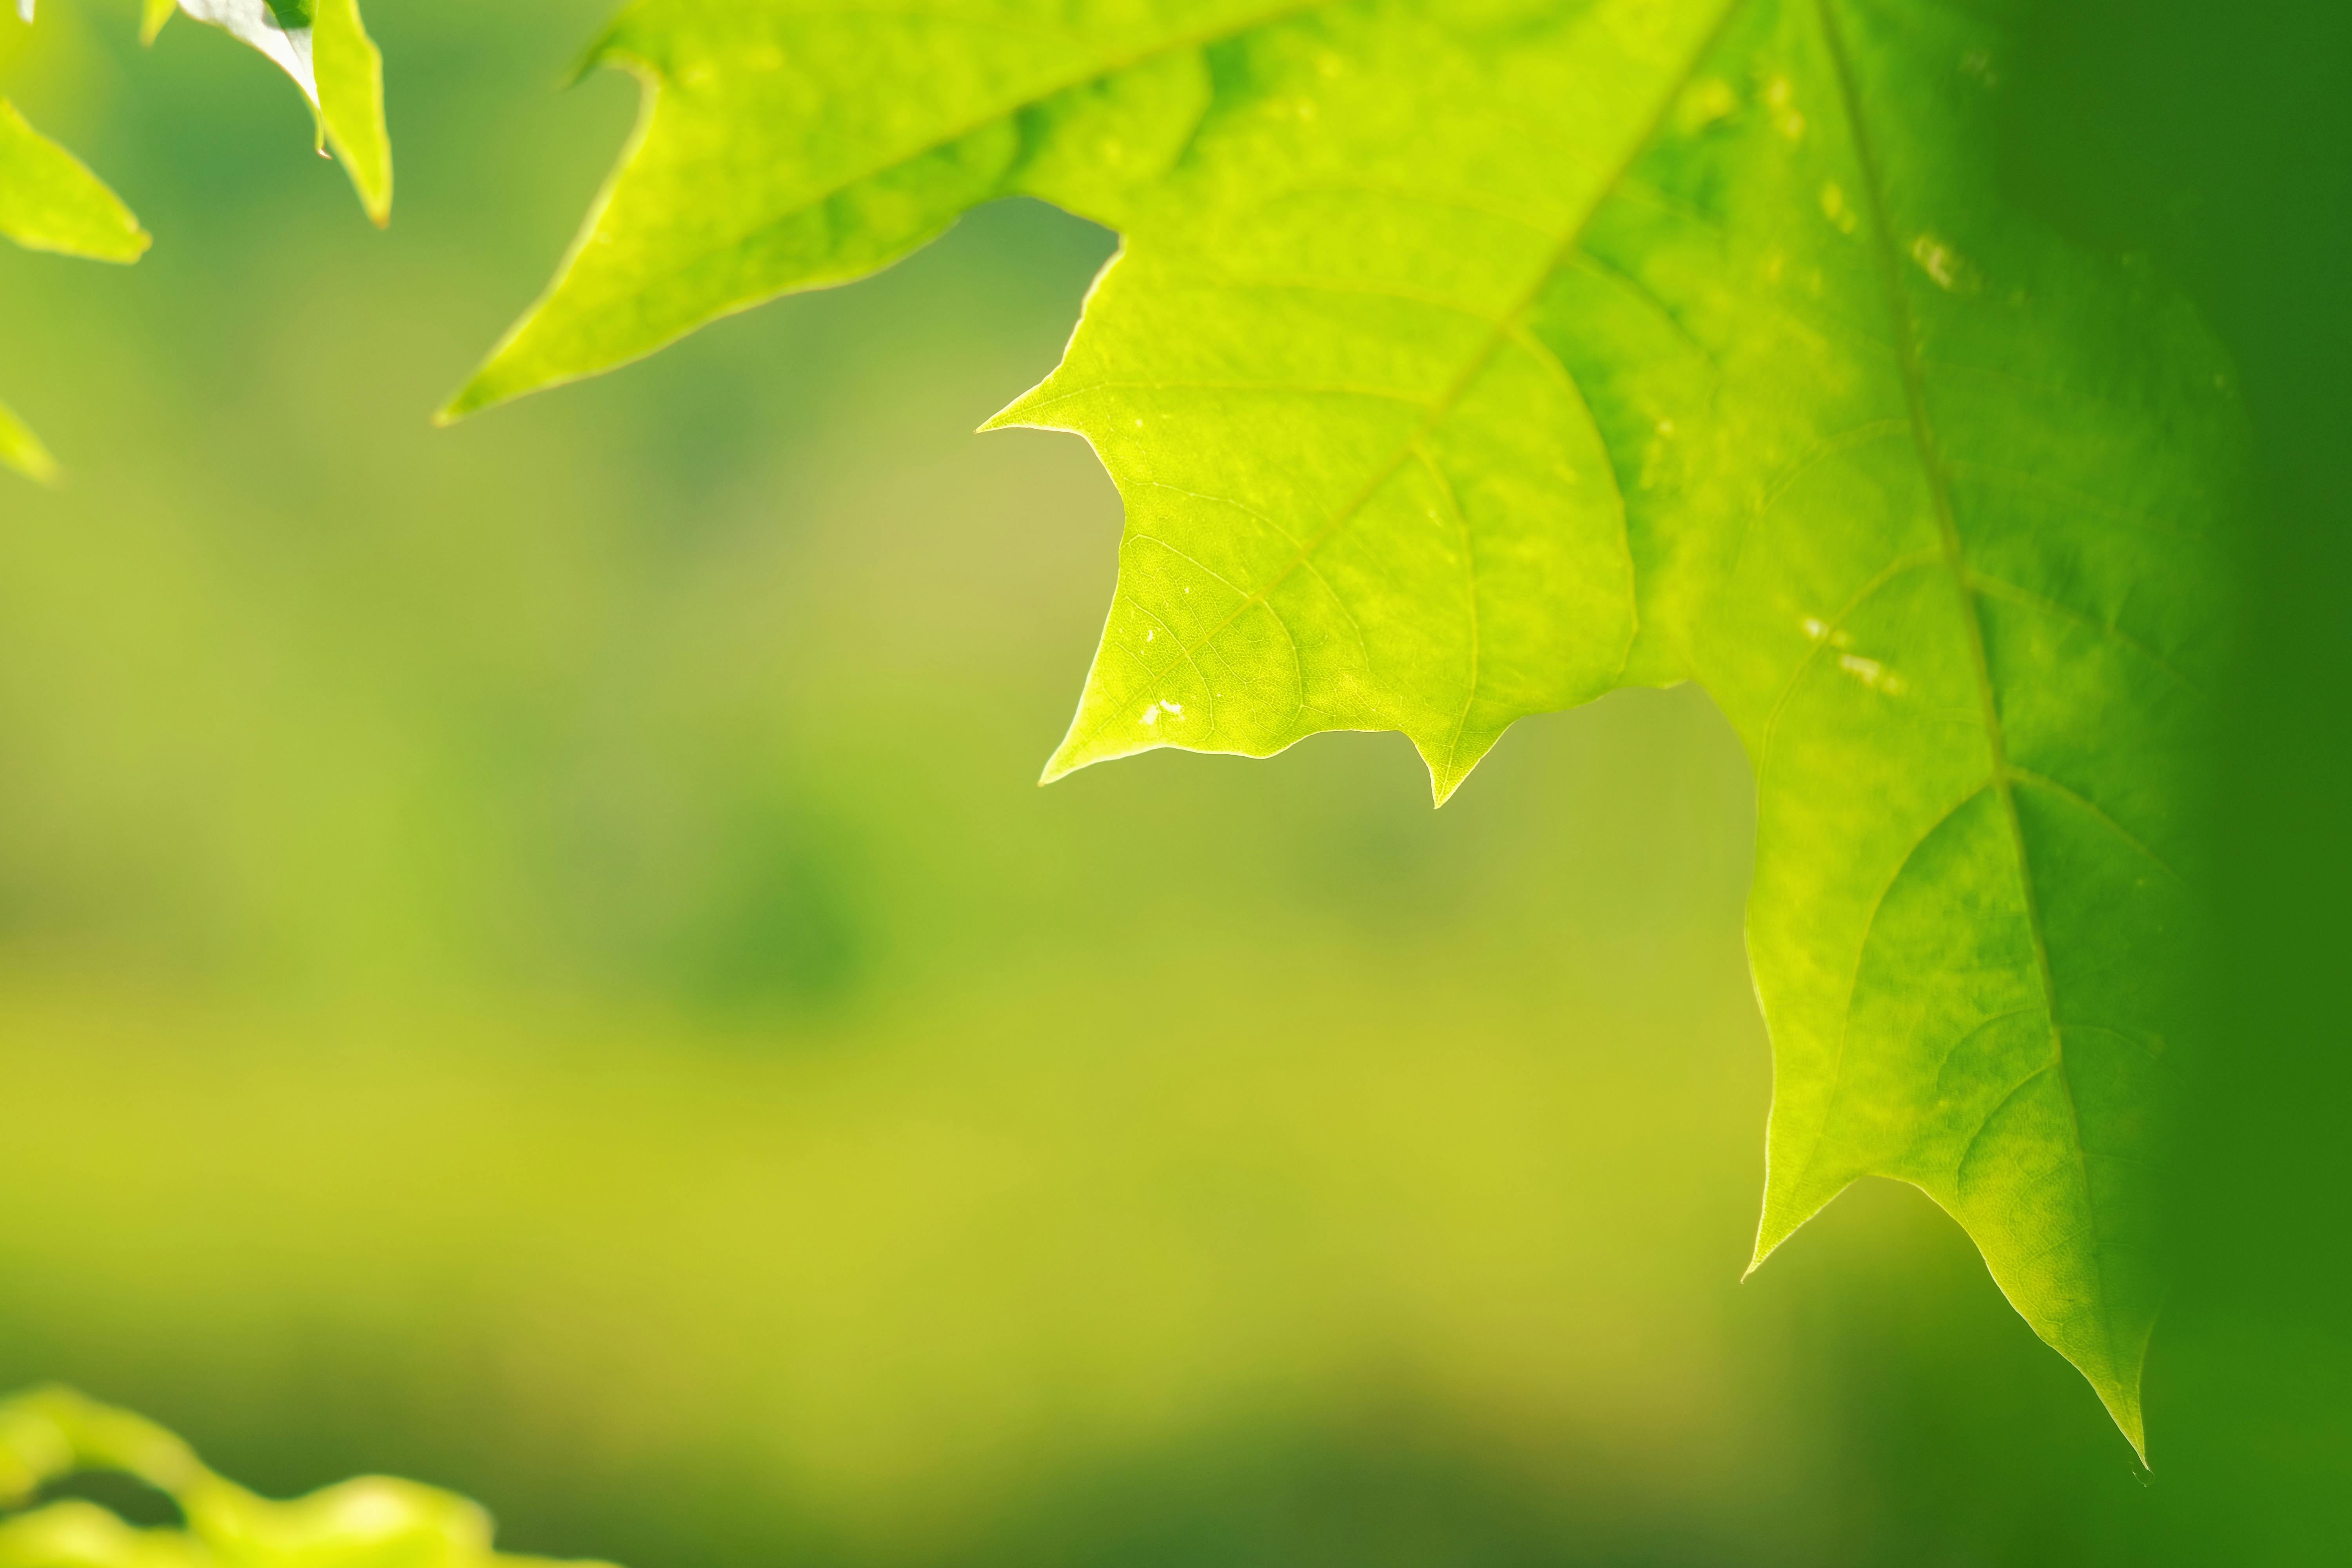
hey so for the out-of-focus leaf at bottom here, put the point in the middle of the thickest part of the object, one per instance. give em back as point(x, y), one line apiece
point(375, 1522)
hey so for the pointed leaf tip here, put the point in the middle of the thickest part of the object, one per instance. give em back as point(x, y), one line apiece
point(350, 69)
point(481, 392)
point(1015, 415)
point(338, 68)
point(1786, 1212)
point(1452, 761)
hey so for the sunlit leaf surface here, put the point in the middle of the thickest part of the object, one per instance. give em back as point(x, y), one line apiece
point(1466, 359)
point(350, 102)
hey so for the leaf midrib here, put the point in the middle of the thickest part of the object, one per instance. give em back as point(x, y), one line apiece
point(2003, 780)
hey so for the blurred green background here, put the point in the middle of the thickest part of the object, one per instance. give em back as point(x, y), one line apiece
point(531, 957)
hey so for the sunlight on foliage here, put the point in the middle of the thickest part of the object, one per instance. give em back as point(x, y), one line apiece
point(52, 1435)
point(1463, 363)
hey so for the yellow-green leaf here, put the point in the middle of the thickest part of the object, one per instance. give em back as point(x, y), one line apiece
point(1465, 359)
point(324, 47)
point(50, 201)
point(21, 450)
point(351, 102)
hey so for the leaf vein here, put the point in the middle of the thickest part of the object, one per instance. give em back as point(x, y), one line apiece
point(2027, 596)
point(1438, 412)
point(1939, 480)
point(2091, 809)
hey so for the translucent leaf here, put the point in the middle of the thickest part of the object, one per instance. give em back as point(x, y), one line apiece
point(350, 102)
point(1466, 359)
point(283, 37)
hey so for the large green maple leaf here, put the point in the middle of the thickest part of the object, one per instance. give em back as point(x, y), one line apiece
point(1466, 359)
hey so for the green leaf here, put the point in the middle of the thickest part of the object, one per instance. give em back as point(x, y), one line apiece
point(278, 29)
point(49, 201)
point(52, 1434)
point(350, 102)
point(324, 47)
point(1466, 359)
